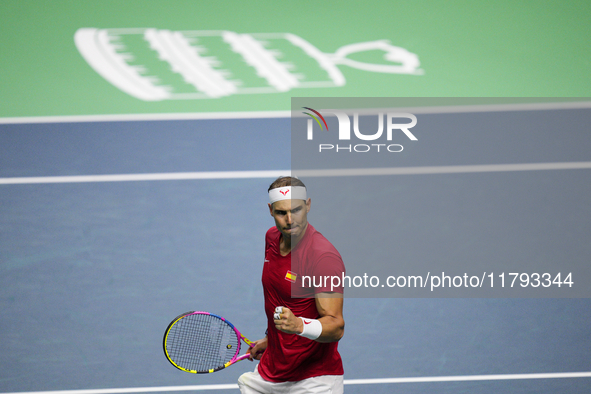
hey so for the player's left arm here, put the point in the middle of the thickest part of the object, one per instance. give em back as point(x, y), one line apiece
point(330, 309)
point(330, 327)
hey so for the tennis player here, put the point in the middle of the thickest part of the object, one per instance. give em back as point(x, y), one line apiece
point(299, 352)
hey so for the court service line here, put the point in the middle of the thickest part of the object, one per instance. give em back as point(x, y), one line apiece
point(425, 379)
point(286, 114)
point(422, 170)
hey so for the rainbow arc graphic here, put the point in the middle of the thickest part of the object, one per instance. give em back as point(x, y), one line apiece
point(315, 118)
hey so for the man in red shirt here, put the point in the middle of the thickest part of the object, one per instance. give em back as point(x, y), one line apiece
point(305, 320)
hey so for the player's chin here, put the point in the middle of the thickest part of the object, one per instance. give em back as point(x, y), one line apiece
point(291, 232)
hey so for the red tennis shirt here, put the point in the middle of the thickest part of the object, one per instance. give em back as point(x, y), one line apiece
point(290, 357)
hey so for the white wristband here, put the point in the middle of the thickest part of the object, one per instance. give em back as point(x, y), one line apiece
point(312, 328)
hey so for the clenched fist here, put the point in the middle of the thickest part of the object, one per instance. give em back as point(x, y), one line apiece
point(286, 321)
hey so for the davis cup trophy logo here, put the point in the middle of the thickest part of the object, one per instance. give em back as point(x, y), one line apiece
point(155, 64)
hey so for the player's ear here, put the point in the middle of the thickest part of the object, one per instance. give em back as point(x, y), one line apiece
point(270, 208)
point(308, 204)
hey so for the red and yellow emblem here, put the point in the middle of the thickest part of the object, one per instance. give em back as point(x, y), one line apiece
point(291, 276)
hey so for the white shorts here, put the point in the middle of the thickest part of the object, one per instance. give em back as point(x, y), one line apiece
point(253, 383)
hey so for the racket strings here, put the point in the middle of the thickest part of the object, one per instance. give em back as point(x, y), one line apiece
point(201, 342)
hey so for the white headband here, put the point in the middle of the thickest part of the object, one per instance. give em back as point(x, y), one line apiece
point(288, 193)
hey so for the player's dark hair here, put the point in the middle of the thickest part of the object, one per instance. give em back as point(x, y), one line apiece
point(285, 181)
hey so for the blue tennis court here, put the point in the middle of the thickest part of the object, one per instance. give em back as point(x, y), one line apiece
point(93, 271)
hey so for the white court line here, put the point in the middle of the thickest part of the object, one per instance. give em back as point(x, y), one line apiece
point(165, 176)
point(424, 170)
point(287, 114)
point(432, 170)
point(146, 117)
point(425, 379)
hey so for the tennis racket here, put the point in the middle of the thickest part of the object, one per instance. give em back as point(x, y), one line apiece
point(201, 342)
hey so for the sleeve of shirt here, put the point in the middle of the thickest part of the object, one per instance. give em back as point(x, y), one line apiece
point(329, 272)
